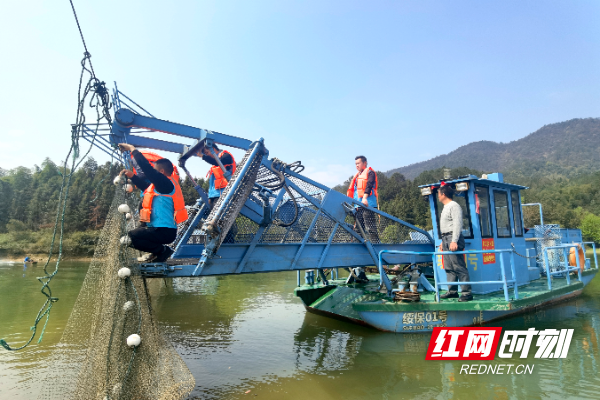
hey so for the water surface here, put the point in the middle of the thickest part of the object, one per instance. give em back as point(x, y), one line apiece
point(250, 333)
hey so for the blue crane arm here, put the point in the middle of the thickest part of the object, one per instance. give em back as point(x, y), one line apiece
point(260, 225)
point(126, 119)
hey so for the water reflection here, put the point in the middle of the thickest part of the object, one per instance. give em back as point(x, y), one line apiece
point(268, 344)
point(241, 333)
point(22, 372)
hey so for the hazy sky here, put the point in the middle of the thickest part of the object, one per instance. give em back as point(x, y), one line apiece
point(322, 81)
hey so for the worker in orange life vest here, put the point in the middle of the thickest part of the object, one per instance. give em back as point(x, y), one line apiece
point(163, 206)
point(218, 178)
point(363, 188)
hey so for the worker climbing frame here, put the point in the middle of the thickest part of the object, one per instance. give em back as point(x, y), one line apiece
point(270, 217)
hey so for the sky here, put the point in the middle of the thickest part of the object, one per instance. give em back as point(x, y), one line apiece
point(321, 81)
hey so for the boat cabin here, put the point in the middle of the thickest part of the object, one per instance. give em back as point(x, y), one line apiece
point(492, 219)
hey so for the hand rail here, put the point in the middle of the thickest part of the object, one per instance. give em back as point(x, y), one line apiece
point(594, 250)
point(504, 281)
point(567, 269)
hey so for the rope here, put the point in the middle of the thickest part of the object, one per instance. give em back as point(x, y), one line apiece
point(82, 38)
point(98, 100)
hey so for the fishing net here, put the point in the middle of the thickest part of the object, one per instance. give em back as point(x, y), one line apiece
point(93, 359)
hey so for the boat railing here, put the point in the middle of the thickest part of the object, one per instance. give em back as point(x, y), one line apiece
point(504, 282)
point(567, 268)
point(593, 249)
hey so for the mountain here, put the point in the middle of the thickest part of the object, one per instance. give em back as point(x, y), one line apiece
point(565, 148)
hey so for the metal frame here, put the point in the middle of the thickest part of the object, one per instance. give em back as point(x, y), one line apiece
point(567, 269)
point(593, 249)
point(536, 204)
point(434, 254)
point(131, 119)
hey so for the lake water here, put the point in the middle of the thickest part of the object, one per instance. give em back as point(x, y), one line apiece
point(250, 333)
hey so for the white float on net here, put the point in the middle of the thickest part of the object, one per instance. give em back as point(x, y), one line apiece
point(128, 305)
point(134, 340)
point(124, 273)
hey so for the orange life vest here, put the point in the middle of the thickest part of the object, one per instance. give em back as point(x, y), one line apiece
point(361, 183)
point(220, 180)
point(180, 213)
point(152, 158)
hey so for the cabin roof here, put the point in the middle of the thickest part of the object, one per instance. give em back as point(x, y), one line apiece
point(478, 180)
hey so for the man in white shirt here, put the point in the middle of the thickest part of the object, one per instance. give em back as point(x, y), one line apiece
point(453, 240)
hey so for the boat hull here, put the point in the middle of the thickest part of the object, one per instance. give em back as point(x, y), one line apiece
point(366, 306)
point(425, 321)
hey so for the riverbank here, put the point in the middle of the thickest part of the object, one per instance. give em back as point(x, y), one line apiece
point(77, 246)
point(41, 258)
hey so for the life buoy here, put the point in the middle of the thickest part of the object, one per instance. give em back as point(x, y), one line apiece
point(573, 258)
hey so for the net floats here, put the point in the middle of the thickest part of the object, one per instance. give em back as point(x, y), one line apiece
point(118, 180)
point(128, 306)
point(124, 273)
point(134, 340)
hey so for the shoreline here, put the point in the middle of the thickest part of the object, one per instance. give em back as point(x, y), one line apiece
point(41, 258)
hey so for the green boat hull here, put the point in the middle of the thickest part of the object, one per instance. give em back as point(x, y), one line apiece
point(364, 304)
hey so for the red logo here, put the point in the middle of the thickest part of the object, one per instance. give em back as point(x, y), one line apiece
point(488, 244)
point(463, 343)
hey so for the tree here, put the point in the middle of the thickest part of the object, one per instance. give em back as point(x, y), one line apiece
point(590, 227)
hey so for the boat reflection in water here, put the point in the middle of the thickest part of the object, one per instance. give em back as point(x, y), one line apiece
point(240, 333)
point(377, 364)
point(251, 333)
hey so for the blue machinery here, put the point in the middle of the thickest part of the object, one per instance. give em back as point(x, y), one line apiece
point(269, 217)
point(505, 282)
point(435, 254)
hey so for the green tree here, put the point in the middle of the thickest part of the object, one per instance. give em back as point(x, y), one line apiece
point(590, 228)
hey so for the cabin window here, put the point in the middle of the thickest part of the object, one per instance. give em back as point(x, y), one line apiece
point(516, 210)
point(462, 200)
point(502, 216)
point(482, 208)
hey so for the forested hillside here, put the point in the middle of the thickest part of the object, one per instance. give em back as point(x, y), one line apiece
point(567, 148)
point(29, 200)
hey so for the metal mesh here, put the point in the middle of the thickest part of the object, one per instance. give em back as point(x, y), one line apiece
point(547, 236)
point(381, 229)
point(312, 191)
point(378, 228)
point(93, 360)
point(246, 229)
point(183, 227)
point(242, 192)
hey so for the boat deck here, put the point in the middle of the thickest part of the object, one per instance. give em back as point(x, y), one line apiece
point(346, 300)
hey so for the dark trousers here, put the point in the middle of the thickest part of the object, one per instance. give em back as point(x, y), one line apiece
point(455, 266)
point(368, 222)
point(151, 240)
